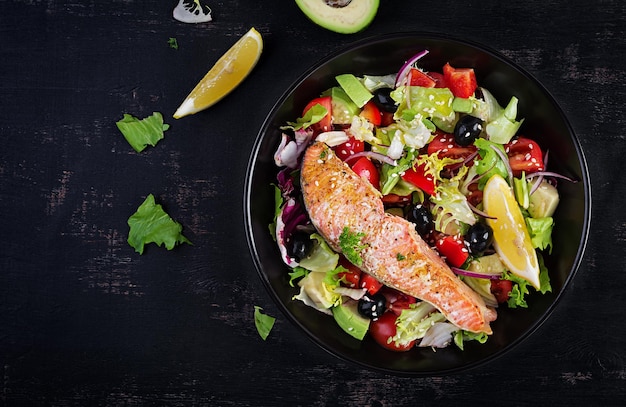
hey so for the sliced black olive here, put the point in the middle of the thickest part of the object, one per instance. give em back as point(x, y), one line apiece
point(423, 219)
point(467, 130)
point(480, 237)
point(372, 306)
point(299, 245)
point(382, 99)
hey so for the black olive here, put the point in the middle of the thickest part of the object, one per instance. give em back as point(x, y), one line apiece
point(382, 99)
point(423, 219)
point(372, 306)
point(480, 237)
point(299, 245)
point(467, 130)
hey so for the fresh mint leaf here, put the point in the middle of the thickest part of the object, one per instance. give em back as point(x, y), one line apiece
point(141, 133)
point(151, 224)
point(263, 322)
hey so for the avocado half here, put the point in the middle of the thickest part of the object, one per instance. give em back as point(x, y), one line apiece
point(341, 16)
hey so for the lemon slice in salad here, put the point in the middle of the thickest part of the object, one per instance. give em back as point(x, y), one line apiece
point(511, 238)
point(228, 72)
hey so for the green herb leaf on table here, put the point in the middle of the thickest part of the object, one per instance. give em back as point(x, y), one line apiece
point(172, 42)
point(141, 133)
point(151, 224)
point(263, 322)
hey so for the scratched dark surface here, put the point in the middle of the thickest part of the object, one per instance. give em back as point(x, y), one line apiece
point(84, 320)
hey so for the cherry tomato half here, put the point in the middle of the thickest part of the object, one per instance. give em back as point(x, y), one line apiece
point(501, 289)
point(371, 113)
point(524, 155)
point(444, 145)
point(364, 168)
point(350, 147)
point(326, 123)
point(383, 329)
point(352, 276)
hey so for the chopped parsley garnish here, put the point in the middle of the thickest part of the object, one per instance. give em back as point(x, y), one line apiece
point(172, 42)
point(351, 246)
point(263, 322)
point(400, 257)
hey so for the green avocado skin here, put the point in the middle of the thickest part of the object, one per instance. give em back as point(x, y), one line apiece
point(350, 19)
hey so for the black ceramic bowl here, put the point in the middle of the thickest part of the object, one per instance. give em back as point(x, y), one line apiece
point(545, 122)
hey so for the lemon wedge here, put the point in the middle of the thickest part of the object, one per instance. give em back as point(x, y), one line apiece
point(228, 72)
point(511, 238)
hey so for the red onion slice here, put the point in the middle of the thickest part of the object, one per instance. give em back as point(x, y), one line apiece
point(467, 273)
point(406, 68)
point(373, 155)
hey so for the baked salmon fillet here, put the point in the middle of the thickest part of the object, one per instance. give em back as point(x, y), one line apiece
point(339, 201)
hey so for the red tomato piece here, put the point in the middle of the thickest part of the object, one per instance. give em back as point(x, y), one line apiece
point(364, 168)
point(394, 199)
point(386, 118)
point(397, 300)
point(418, 177)
point(371, 284)
point(371, 113)
point(524, 155)
point(383, 329)
point(440, 81)
point(461, 81)
point(444, 145)
point(475, 196)
point(501, 289)
point(352, 276)
point(453, 248)
point(350, 147)
point(419, 78)
point(326, 123)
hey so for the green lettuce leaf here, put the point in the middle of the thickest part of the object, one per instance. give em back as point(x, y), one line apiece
point(312, 116)
point(322, 257)
point(461, 336)
point(297, 273)
point(263, 322)
point(151, 224)
point(540, 230)
point(490, 162)
point(141, 133)
point(414, 321)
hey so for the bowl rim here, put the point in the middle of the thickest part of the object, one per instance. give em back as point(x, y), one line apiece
point(247, 200)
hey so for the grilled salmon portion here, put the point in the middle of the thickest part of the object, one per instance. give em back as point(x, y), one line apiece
point(339, 201)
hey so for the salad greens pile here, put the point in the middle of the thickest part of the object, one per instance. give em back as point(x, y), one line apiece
point(430, 141)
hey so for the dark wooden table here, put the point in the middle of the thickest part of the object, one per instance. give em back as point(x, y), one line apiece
point(84, 320)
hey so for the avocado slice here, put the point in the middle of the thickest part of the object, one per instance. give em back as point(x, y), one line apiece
point(543, 201)
point(348, 318)
point(354, 89)
point(344, 109)
point(341, 16)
